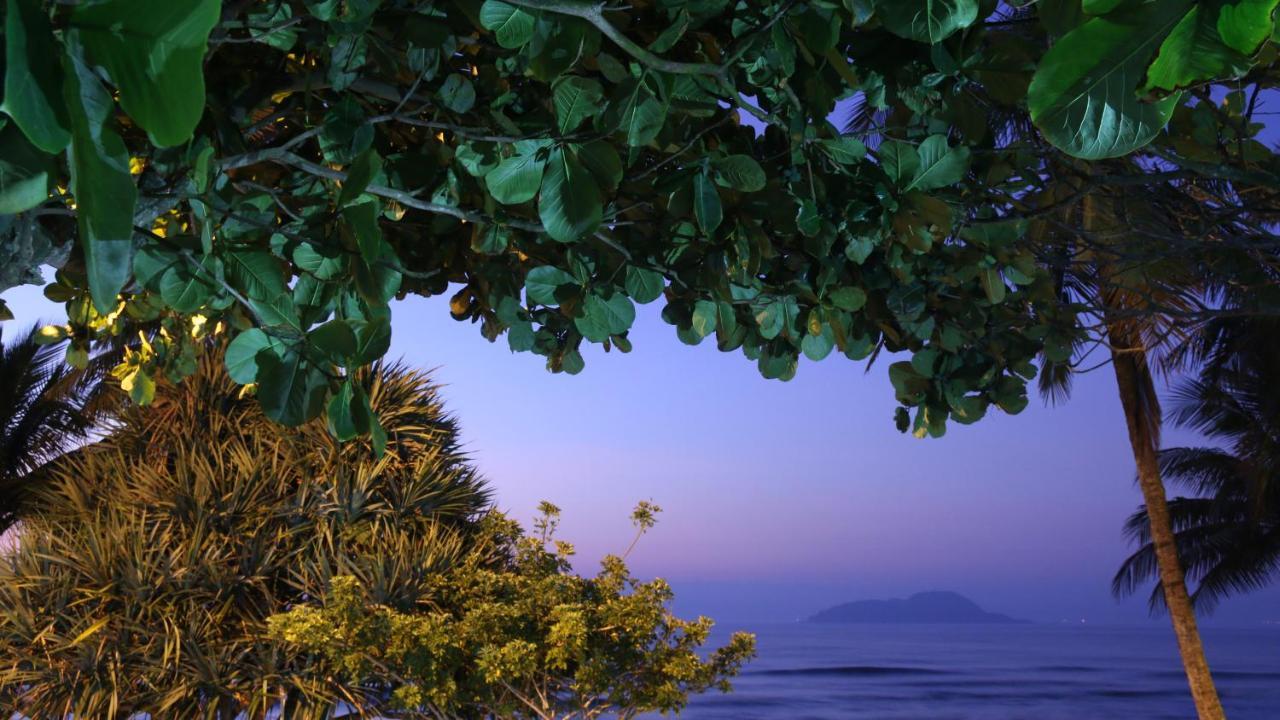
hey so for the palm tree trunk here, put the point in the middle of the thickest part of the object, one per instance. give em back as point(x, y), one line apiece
point(1143, 417)
point(1132, 374)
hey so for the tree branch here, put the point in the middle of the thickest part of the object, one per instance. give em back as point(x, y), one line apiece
point(594, 14)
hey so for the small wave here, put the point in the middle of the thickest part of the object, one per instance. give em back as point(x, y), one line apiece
point(1221, 675)
point(846, 670)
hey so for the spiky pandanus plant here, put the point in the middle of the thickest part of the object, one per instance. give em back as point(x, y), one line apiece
point(144, 582)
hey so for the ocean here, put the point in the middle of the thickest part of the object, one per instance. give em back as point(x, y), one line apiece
point(808, 671)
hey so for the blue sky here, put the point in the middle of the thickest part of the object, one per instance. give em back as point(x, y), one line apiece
point(782, 498)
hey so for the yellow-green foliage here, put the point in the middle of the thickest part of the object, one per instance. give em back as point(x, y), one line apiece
point(145, 580)
point(525, 638)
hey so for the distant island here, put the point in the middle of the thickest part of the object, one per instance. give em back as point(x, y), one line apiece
point(925, 607)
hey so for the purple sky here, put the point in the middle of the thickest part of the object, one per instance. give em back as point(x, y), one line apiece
point(782, 498)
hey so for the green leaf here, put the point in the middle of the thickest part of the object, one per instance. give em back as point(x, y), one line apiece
point(320, 262)
point(706, 203)
point(924, 361)
point(1083, 96)
point(541, 284)
point(24, 173)
point(926, 21)
point(939, 165)
point(512, 25)
point(741, 172)
point(636, 113)
point(360, 173)
point(860, 248)
point(457, 93)
point(571, 362)
point(373, 339)
point(1194, 53)
point(150, 263)
point(1244, 25)
point(241, 356)
point(643, 285)
point(992, 285)
point(851, 299)
point(290, 390)
point(100, 181)
point(909, 386)
point(818, 347)
point(770, 318)
point(33, 77)
point(154, 52)
point(807, 219)
point(349, 415)
point(844, 150)
point(185, 289)
point(516, 179)
point(256, 274)
point(704, 317)
point(602, 318)
point(672, 34)
point(335, 339)
point(570, 205)
point(362, 218)
point(378, 280)
point(575, 99)
point(1099, 7)
point(603, 162)
point(900, 161)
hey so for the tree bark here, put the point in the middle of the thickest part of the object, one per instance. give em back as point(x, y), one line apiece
point(1142, 415)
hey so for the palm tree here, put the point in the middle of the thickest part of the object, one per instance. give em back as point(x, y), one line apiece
point(1228, 531)
point(42, 404)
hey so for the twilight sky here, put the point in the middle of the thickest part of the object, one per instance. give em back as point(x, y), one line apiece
point(782, 498)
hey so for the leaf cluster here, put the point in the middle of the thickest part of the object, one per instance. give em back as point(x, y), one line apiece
point(288, 168)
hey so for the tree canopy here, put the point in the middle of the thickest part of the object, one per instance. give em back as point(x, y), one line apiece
point(282, 170)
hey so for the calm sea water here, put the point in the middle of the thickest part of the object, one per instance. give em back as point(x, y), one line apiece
point(1002, 672)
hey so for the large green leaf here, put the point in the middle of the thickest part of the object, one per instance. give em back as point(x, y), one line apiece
point(512, 26)
point(1084, 95)
point(100, 181)
point(939, 165)
point(636, 113)
point(643, 285)
point(290, 390)
point(741, 172)
point(516, 179)
point(241, 356)
point(1194, 53)
point(360, 173)
point(570, 203)
point(706, 203)
point(541, 284)
point(33, 76)
point(24, 173)
point(601, 159)
point(1245, 25)
point(928, 21)
point(575, 98)
point(154, 51)
point(349, 415)
point(601, 318)
point(185, 287)
point(899, 160)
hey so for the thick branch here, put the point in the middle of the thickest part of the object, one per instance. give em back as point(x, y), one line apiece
point(594, 14)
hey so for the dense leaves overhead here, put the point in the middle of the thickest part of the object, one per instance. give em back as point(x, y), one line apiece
point(286, 169)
